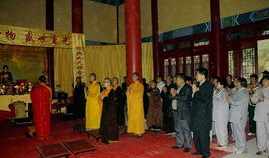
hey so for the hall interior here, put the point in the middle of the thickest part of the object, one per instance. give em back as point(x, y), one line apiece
point(118, 37)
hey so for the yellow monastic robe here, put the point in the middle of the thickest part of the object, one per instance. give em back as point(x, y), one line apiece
point(136, 122)
point(93, 107)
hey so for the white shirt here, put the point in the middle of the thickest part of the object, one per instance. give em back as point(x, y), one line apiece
point(174, 101)
point(160, 85)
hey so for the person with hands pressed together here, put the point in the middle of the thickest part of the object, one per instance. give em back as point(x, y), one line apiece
point(181, 105)
point(201, 113)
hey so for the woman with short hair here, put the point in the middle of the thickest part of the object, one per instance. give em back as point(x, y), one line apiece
point(220, 112)
point(109, 128)
point(239, 113)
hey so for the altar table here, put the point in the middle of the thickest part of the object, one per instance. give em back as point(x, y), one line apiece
point(5, 100)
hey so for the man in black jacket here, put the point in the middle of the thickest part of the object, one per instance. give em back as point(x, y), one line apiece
point(181, 105)
point(201, 113)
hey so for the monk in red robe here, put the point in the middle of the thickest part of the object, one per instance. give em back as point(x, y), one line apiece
point(41, 96)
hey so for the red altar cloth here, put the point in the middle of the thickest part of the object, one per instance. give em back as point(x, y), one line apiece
point(5, 115)
point(41, 102)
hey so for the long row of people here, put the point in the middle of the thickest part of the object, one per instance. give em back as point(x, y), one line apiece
point(190, 108)
point(157, 107)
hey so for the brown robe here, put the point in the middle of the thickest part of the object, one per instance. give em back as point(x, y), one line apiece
point(154, 117)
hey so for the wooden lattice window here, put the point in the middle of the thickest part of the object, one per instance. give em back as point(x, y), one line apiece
point(188, 69)
point(196, 62)
point(205, 61)
point(248, 62)
point(173, 66)
point(166, 67)
point(180, 64)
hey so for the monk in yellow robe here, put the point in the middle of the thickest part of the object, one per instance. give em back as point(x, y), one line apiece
point(136, 122)
point(93, 106)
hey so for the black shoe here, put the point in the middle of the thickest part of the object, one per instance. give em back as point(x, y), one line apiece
point(139, 135)
point(176, 147)
point(28, 135)
point(205, 156)
point(105, 141)
point(186, 150)
point(259, 153)
point(196, 153)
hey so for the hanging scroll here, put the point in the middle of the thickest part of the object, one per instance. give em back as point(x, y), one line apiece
point(79, 66)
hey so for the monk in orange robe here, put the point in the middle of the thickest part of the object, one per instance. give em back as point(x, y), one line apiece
point(41, 96)
point(136, 121)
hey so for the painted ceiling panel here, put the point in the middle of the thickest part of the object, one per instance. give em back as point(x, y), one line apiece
point(111, 2)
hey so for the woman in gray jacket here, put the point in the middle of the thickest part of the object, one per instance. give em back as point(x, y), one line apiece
point(239, 113)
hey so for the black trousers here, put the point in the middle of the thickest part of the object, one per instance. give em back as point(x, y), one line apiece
point(252, 123)
point(168, 123)
point(201, 140)
point(79, 108)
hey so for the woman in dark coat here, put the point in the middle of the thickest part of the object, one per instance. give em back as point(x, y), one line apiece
point(109, 127)
point(79, 99)
point(119, 102)
point(168, 121)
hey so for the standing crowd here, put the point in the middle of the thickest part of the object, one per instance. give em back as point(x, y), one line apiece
point(191, 109)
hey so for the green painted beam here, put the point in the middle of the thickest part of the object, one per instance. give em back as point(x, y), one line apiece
point(110, 2)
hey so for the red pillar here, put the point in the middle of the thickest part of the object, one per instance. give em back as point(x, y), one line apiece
point(77, 16)
point(219, 58)
point(118, 24)
point(133, 37)
point(50, 55)
point(49, 15)
point(155, 37)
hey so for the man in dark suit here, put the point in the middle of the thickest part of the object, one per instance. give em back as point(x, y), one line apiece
point(181, 105)
point(201, 114)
